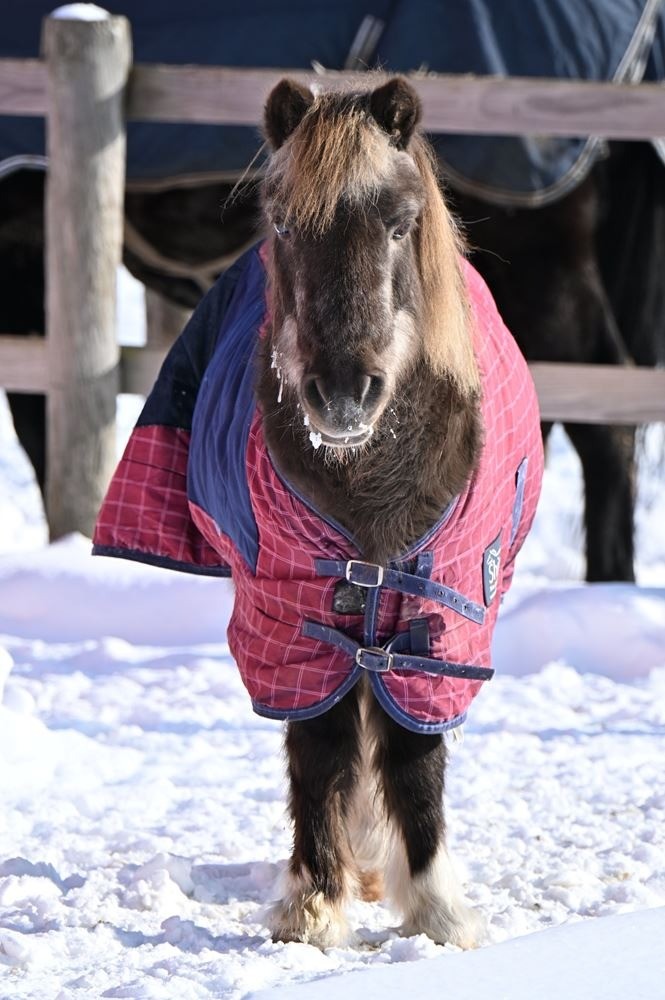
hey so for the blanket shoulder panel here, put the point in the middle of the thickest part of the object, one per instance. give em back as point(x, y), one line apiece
point(511, 415)
point(146, 514)
point(225, 408)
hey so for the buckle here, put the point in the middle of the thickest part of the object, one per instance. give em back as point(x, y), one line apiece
point(374, 658)
point(360, 573)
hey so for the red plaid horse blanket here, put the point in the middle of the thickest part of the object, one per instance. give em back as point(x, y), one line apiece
point(198, 490)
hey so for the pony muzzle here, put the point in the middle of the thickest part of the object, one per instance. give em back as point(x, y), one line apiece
point(343, 416)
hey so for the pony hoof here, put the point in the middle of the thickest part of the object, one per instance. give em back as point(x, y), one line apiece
point(311, 920)
point(462, 926)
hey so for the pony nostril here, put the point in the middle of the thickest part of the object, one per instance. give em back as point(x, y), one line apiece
point(315, 393)
point(345, 398)
point(372, 391)
point(324, 394)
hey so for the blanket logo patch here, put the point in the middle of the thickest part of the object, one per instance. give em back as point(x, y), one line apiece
point(491, 566)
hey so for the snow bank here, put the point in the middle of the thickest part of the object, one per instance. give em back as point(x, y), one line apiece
point(613, 629)
point(46, 594)
point(617, 958)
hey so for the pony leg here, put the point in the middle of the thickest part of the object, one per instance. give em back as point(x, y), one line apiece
point(322, 754)
point(369, 831)
point(420, 878)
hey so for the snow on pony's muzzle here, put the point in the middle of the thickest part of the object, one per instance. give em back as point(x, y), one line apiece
point(342, 411)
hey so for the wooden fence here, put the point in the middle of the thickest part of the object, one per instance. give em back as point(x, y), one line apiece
point(86, 88)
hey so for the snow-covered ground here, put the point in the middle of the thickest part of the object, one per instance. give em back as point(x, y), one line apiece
point(142, 819)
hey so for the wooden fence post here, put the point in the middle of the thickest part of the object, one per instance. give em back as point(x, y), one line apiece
point(88, 65)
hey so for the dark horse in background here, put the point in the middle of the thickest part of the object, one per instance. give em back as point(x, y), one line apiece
point(570, 235)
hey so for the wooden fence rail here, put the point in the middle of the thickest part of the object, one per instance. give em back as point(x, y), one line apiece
point(585, 394)
point(488, 105)
point(86, 90)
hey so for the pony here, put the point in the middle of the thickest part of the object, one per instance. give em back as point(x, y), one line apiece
point(332, 347)
point(360, 439)
point(334, 322)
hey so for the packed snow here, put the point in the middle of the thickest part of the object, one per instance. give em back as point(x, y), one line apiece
point(143, 825)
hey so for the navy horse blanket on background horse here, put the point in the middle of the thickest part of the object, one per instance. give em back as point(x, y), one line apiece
point(619, 40)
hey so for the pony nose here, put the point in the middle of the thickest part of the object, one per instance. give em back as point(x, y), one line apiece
point(343, 406)
point(321, 392)
point(359, 392)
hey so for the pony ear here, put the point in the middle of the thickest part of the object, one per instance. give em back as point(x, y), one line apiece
point(285, 108)
point(397, 109)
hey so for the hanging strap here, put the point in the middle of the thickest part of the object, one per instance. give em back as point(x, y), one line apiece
point(364, 574)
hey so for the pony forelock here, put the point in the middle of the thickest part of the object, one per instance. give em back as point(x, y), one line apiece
point(333, 153)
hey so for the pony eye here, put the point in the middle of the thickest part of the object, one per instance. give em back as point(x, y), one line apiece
point(282, 230)
point(399, 232)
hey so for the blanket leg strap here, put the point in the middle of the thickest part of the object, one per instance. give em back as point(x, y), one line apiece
point(383, 659)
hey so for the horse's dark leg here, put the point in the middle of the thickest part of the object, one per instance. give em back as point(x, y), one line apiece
point(323, 761)
point(606, 454)
point(29, 415)
point(22, 300)
point(630, 243)
point(420, 878)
